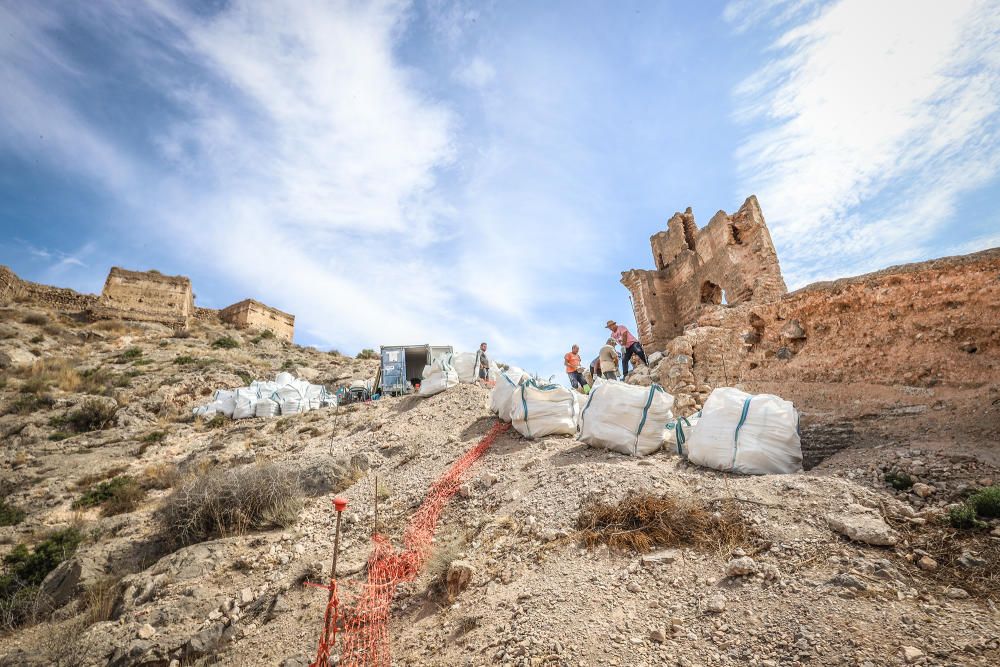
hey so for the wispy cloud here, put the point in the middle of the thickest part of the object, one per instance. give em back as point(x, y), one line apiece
point(871, 122)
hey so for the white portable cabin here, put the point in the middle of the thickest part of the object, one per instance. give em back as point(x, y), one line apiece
point(403, 366)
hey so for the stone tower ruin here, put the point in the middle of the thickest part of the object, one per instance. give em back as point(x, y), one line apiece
point(731, 260)
point(146, 296)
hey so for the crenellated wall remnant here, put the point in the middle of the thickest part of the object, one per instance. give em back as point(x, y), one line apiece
point(146, 296)
point(13, 289)
point(730, 261)
point(252, 314)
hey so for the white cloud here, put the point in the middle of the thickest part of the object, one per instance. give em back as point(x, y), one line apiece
point(477, 73)
point(873, 120)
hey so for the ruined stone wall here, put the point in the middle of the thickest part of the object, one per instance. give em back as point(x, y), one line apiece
point(146, 296)
point(923, 325)
point(251, 314)
point(13, 289)
point(731, 259)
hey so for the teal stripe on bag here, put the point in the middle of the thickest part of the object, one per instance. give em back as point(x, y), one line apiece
point(736, 434)
point(645, 411)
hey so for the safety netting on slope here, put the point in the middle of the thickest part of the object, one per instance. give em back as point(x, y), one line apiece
point(364, 627)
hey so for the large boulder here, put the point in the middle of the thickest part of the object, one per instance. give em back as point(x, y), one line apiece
point(458, 577)
point(71, 577)
point(15, 357)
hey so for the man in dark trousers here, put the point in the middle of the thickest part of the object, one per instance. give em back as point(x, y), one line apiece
point(629, 342)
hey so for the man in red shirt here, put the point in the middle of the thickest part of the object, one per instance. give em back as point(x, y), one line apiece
point(572, 360)
point(629, 342)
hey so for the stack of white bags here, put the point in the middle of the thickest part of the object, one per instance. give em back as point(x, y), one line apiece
point(286, 395)
point(734, 432)
point(438, 376)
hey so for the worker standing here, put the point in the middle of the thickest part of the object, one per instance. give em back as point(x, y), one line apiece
point(629, 342)
point(609, 360)
point(483, 363)
point(573, 370)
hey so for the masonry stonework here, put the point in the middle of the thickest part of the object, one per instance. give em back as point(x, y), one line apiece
point(731, 260)
point(252, 314)
point(15, 290)
point(146, 296)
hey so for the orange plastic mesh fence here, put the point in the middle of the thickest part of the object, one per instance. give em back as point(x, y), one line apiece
point(364, 628)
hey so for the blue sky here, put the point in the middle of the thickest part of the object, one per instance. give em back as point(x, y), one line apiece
point(451, 172)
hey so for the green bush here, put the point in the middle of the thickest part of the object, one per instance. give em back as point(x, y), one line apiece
point(367, 353)
point(963, 516)
point(25, 570)
point(899, 480)
point(225, 343)
point(114, 496)
point(59, 435)
point(131, 353)
point(266, 334)
point(154, 436)
point(36, 339)
point(986, 501)
point(93, 415)
point(10, 515)
point(184, 359)
point(217, 421)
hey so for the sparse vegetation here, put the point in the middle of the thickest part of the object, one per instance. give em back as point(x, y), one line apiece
point(225, 343)
point(964, 517)
point(160, 476)
point(218, 420)
point(92, 415)
point(899, 480)
point(100, 599)
point(642, 521)
point(154, 437)
point(986, 501)
point(367, 353)
point(35, 319)
point(130, 354)
point(36, 339)
point(28, 403)
point(59, 435)
point(266, 334)
point(24, 571)
point(10, 514)
point(184, 359)
point(118, 495)
point(226, 502)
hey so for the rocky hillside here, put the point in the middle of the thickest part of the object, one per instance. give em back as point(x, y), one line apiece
point(141, 536)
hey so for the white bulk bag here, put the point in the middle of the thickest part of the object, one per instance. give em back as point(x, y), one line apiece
point(626, 418)
point(539, 410)
point(503, 393)
point(465, 365)
point(284, 378)
point(266, 408)
point(747, 433)
point(438, 376)
point(679, 432)
point(244, 407)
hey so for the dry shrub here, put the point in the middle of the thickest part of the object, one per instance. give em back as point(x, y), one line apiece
point(642, 521)
point(111, 326)
point(35, 319)
point(160, 476)
point(93, 478)
point(45, 373)
point(100, 600)
point(978, 575)
point(228, 502)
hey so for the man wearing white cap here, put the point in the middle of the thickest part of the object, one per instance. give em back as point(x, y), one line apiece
point(629, 342)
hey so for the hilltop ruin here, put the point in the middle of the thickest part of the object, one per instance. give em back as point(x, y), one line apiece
point(145, 296)
point(732, 256)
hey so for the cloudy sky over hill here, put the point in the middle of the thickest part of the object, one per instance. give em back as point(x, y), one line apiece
point(463, 171)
